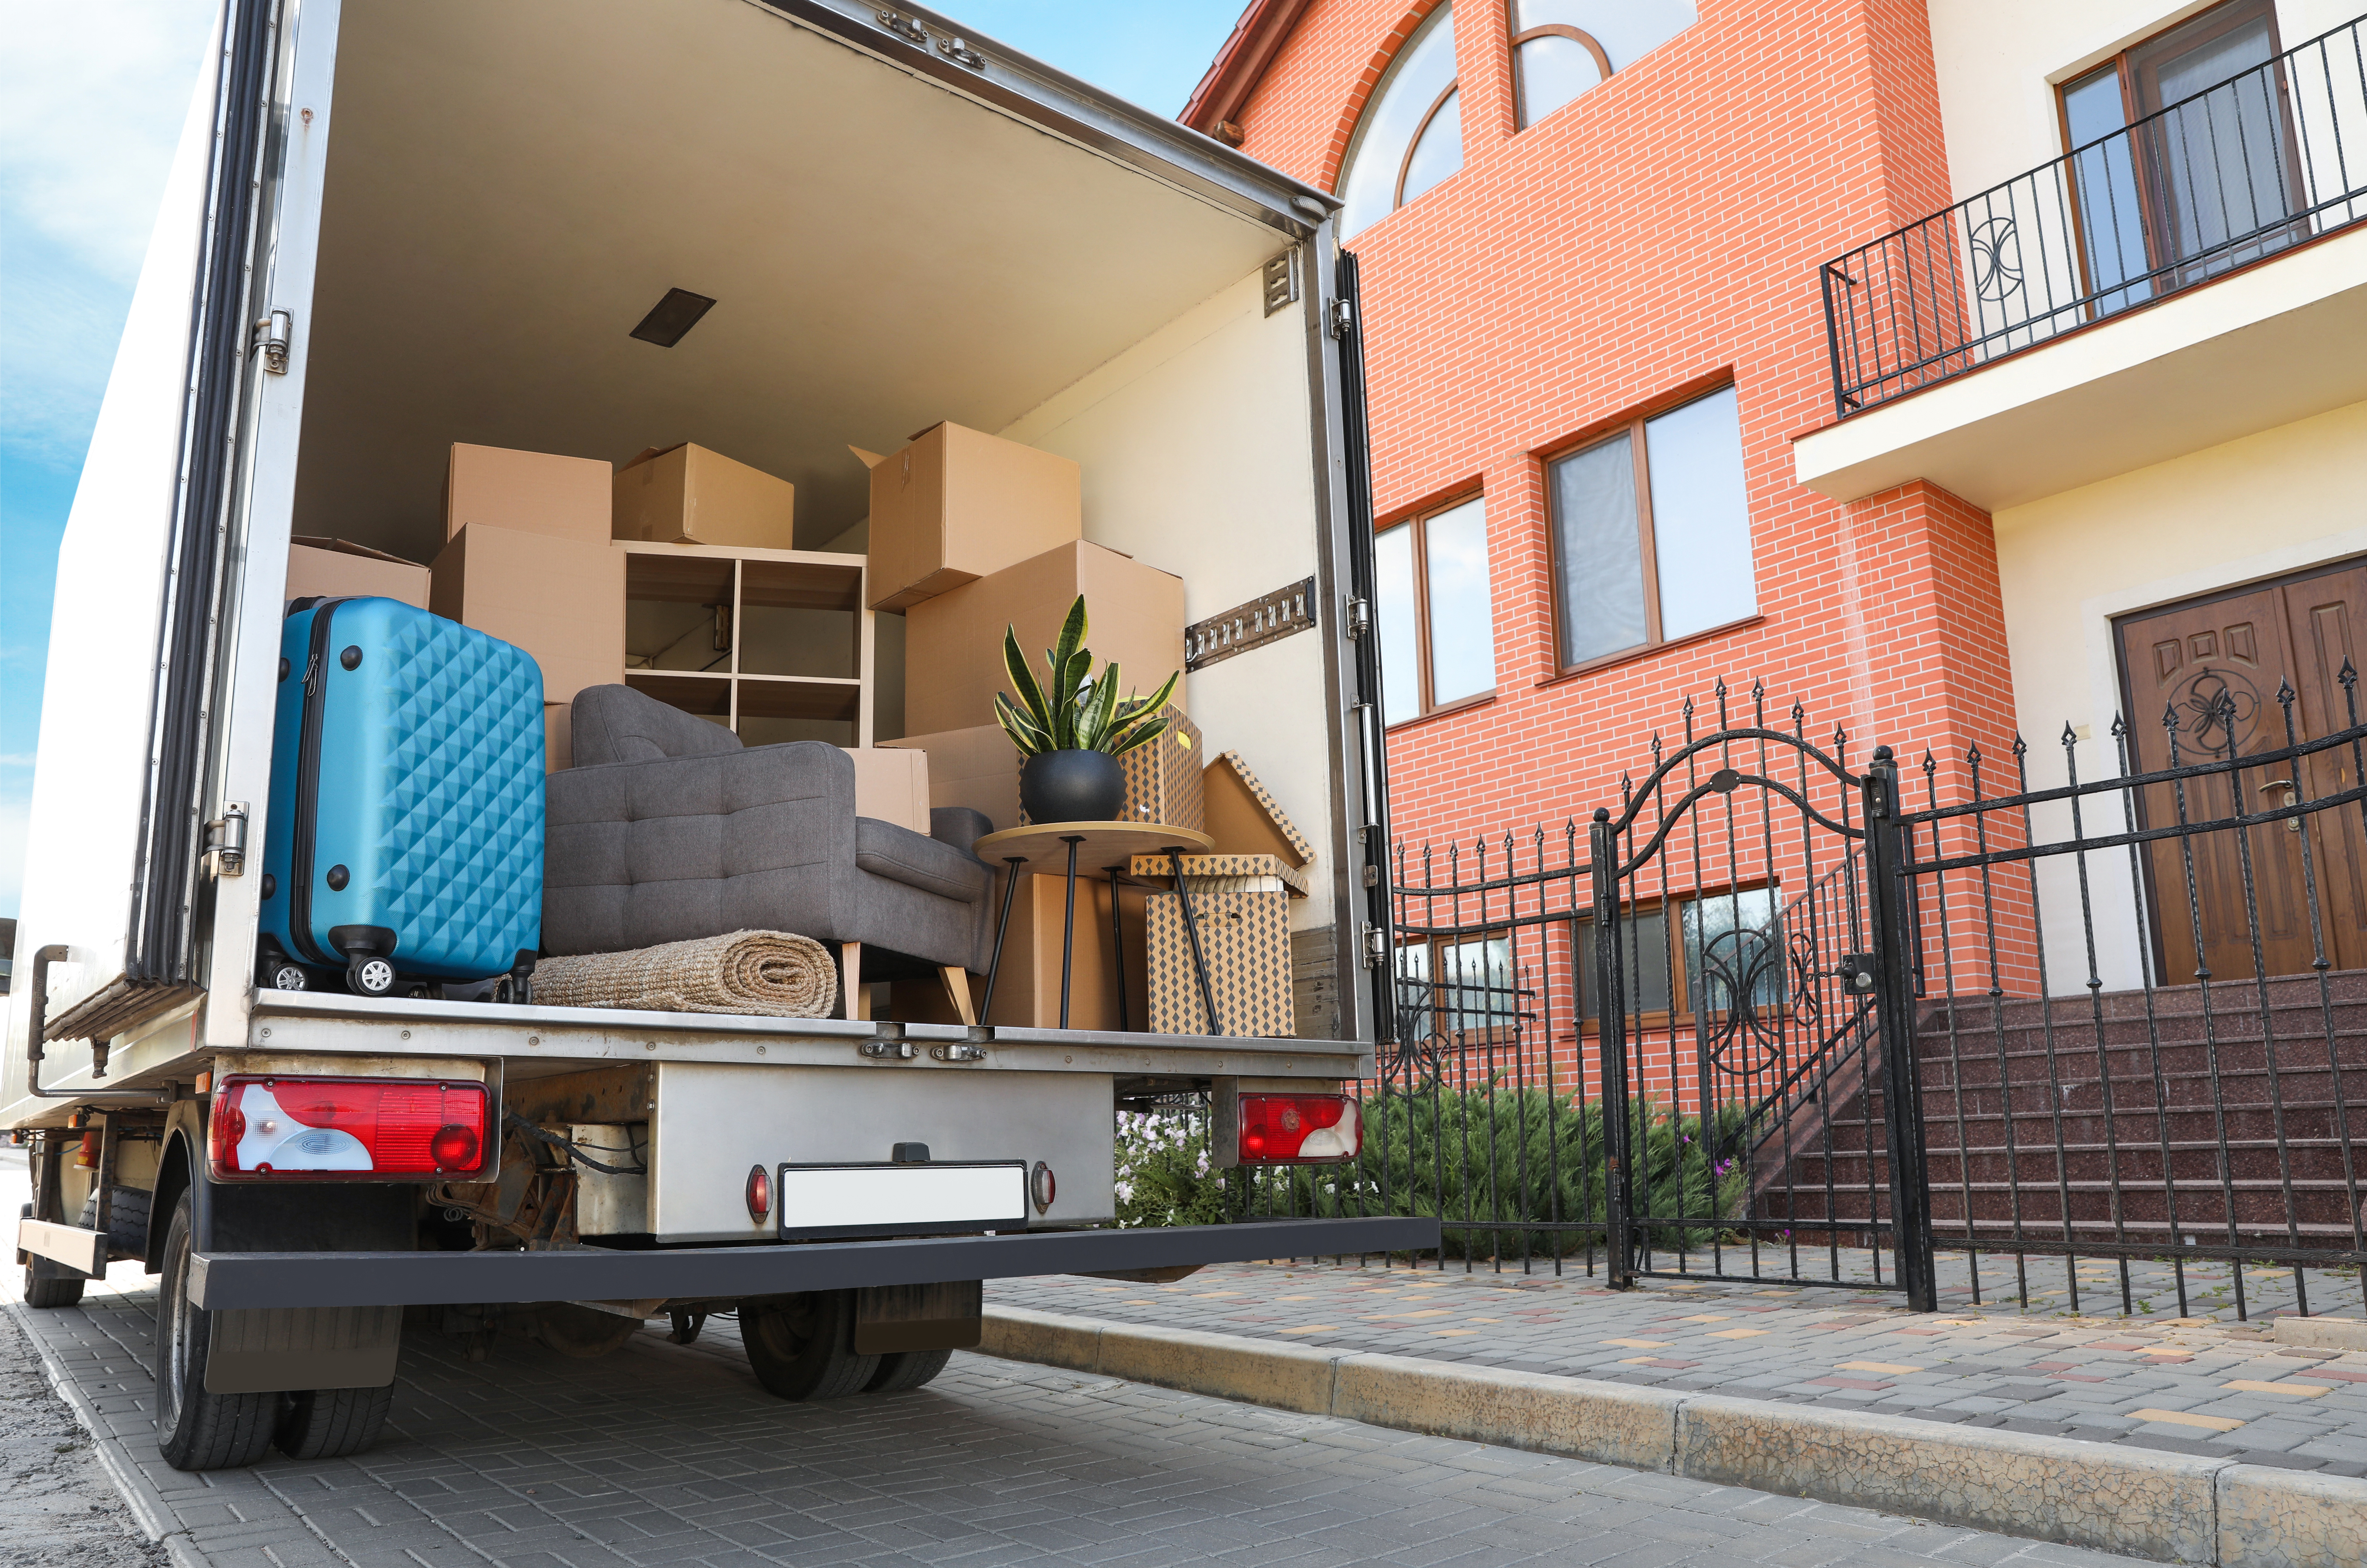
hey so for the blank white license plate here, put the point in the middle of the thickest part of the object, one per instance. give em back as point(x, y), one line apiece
point(901, 1199)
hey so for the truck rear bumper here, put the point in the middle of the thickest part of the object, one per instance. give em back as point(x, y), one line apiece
point(232, 1279)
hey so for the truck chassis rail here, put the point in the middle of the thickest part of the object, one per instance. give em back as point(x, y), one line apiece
point(235, 1280)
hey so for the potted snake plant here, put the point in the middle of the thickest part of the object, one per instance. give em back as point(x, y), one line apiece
point(1074, 727)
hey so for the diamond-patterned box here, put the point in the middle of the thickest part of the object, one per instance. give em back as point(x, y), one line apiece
point(1245, 938)
point(1162, 779)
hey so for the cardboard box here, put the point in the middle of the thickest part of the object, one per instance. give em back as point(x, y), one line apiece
point(953, 643)
point(528, 492)
point(688, 496)
point(977, 767)
point(1225, 874)
point(561, 599)
point(1245, 937)
point(957, 505)
point(893, 785)
point(339, 569)
point(1027, 992)
point(1244, 820)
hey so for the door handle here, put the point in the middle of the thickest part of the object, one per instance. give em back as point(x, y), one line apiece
point(2291, 797)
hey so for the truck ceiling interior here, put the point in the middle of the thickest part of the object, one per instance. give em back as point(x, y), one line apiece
point(512, 187)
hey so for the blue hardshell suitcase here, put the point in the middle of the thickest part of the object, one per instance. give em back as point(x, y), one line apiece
point(405, 840)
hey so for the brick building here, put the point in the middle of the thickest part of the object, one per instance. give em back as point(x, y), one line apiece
point(1622, 451)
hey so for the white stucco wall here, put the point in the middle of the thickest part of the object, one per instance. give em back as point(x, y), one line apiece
point(2000, 62)
point(2249, 509)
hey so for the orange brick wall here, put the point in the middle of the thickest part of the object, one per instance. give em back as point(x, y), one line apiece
point(1661, 232)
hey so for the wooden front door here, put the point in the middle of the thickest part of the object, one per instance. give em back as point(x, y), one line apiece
point(2215, 666)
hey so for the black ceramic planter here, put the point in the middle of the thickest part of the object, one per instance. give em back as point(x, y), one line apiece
point(1071, 786)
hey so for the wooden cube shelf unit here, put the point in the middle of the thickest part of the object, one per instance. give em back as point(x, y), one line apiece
point(773, 644)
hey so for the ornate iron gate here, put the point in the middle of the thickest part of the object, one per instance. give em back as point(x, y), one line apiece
point(1751, 1015)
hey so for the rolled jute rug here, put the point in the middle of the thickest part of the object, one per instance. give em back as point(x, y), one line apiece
point(768, 974)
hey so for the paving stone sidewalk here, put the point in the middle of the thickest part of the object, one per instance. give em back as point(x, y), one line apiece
point(662, 1454)
point(2203, 1383)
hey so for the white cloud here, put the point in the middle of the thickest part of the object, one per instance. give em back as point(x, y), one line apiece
point(15, 758)
point(92, 96)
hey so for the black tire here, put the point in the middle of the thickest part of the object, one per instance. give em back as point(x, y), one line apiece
point(197, 1430)
point(907, 1368)
point(582, 1333)
point(283, 975)
point(127, 1221)
point(330, 1422)
point(803, 1347)
point(47, 1284)
point(43, 1289)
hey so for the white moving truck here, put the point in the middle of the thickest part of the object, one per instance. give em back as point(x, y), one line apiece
point(393, 225)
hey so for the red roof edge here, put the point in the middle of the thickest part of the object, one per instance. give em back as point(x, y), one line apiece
point(1239, 66)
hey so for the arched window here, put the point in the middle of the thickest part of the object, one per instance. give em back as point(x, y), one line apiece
point(1411, 135)
point(1561, 48)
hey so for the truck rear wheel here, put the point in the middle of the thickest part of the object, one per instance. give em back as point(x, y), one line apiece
point(197, 1430)
point(330, 1422)
point(584, 1333)
point(803, 1347)
point(907, 1368)
point(47, 1283)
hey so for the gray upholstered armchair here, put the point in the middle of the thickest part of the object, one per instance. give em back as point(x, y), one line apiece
point(667, 829)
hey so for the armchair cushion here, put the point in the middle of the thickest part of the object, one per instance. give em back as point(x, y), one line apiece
point(672, 848)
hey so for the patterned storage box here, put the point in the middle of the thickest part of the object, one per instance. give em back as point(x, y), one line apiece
point(1245, 938)
point(1163, 780)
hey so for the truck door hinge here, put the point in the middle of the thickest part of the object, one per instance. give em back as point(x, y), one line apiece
point(1360, 617)
point(226, 840)
point(273, 335)
point(1344, 318)
point(1376, 947)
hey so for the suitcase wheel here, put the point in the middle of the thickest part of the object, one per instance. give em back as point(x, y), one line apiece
point(282, 975)
point(369, 976)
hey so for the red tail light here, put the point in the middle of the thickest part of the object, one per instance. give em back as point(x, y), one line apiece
point(1300, 1128)
point(350, 1129)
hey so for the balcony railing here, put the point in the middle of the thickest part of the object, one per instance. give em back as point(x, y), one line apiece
point(2257, 165)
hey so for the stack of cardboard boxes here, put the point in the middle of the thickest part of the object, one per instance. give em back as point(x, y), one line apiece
point(526, 558)
point(969, 534)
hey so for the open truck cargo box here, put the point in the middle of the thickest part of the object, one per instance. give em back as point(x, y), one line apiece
point(456, 215)
point(399, 226)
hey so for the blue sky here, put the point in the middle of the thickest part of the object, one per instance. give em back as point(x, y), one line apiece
point(92, 94)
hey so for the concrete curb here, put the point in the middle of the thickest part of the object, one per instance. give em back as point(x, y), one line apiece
point(2172, 1507)
point(148, 1509)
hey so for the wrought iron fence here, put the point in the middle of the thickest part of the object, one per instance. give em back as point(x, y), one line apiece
point(1787, 1017)
point(2242, 170)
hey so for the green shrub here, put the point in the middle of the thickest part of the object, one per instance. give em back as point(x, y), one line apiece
point(1512, 1157)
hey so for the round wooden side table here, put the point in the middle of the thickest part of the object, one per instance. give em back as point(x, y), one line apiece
point(1048, 847)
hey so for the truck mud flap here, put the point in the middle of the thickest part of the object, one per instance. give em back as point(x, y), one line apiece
point(240, 1280)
